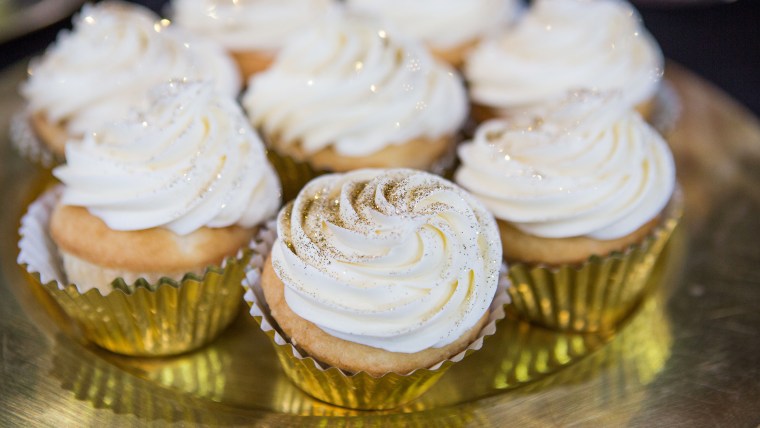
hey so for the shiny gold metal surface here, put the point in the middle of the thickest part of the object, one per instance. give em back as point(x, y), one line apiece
point(688, 356)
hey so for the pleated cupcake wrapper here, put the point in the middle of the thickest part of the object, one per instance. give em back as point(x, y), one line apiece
point(335, 386)
point(165, 318)
point(596, 295)
point(294, 174)
point(28, 145)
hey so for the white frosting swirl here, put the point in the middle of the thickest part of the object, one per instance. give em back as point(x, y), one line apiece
point(562, 45)
point(441, 24)
point(397, 259)
point(244, 25)
point(591, 167)
point(353, 85)
point(192, 160)
point(111, 59)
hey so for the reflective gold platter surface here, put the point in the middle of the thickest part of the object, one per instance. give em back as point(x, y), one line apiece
point(688, 356)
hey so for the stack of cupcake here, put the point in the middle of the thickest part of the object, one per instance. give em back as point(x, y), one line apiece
point(380, 274)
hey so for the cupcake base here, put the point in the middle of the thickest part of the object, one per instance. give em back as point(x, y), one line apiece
point(252, 62)
point(142, 318)
point(454, 55)
point(351, 357)
point(435, 155)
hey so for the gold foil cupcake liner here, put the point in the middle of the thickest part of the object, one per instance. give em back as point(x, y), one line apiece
point(169, 317)
point(335, 386)
point(593, 296)
point(28, 145)
point(636, 354)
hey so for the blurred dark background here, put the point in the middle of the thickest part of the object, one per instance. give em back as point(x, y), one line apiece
point(718, 40)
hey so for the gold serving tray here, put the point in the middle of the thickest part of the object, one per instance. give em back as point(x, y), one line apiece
point(688, 356)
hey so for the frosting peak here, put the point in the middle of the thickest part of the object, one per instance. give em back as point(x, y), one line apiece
point(357, 87)
point(395, 259)
point(190, 161)
point(589, 167)
point(114, 55)
point(561, 45)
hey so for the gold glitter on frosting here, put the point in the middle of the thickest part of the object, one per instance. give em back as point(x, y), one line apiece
point(396, 259)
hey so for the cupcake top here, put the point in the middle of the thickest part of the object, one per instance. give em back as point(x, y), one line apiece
point(590, 167)
point(114, 55)
point(441, 24)
point(562, 45)
point(397, 259)
point(352, 85)
point(189, 161)
point(244, 25)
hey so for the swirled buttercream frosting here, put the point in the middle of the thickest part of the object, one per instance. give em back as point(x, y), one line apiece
point(398, 259)
point(191, 160)
point(249, 24)
point(562, 45)
point(590, 167)
point(108, 63)
point(357, 87)
point(441, 24)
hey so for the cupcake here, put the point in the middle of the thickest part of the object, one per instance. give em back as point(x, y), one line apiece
point(584, 200)
point(377, 279)
point(252, 31)
point(450, 28)
point(152, 222)
point(347, 95)
point(562, 45)
point(106, 65)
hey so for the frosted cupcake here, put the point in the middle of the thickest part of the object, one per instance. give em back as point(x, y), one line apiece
point(582, 198)
point(561, 45)
point(378, 277)
point(252, 31)
point(152, 222)
point(106, 65)
point(449, 28)
point(347, 95)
